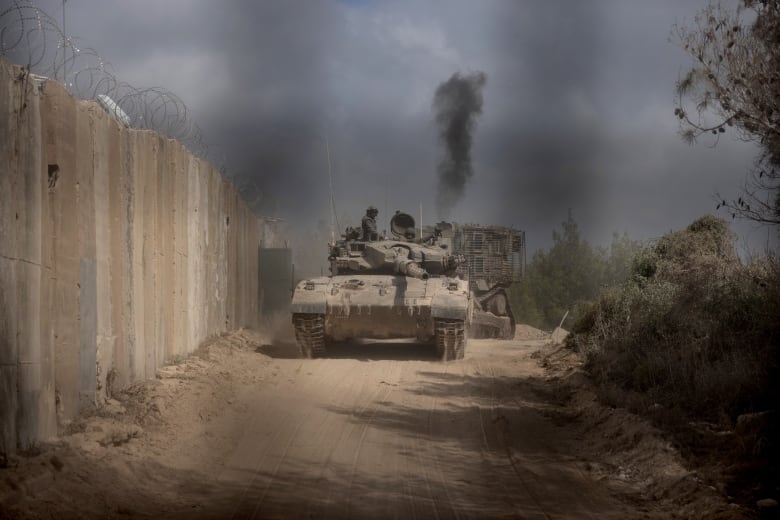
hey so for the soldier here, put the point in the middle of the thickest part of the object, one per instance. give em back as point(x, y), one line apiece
point(369, 224)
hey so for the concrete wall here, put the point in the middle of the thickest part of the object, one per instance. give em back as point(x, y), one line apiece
point(273, 233)
point(118, 251)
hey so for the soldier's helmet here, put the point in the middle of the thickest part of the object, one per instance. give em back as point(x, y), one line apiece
point(372, 211)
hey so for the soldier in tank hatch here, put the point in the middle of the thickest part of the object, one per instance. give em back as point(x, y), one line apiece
point(369, 224)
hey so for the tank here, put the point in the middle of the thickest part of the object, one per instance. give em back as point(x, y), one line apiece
point(398, 287)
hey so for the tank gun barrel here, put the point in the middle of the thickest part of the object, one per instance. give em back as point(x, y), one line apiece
point(410, 268)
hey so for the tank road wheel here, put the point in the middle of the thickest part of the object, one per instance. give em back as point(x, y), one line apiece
point(310, 334)
point(450, 339)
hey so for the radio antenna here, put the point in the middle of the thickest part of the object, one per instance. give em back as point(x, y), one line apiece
point(421, 221)
point(333, 217)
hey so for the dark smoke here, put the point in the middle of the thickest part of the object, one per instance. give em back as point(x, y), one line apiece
point(457, 104)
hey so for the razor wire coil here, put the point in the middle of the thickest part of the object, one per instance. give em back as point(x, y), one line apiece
point(32, 39)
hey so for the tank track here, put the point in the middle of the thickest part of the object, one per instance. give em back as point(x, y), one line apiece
point(310, 334)
point(450, 339)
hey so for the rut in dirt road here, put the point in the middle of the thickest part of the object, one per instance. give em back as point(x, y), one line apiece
point(378, 437)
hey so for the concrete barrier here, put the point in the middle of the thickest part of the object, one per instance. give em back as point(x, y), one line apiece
point(118, 251)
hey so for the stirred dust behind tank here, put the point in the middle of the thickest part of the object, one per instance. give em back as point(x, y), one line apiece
point(381, 289)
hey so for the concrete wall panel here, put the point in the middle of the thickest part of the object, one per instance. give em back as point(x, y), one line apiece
point(88, 312)
point(59, 113)
point(9, 353)
point(124, 357)
point(10, 98)
point(9, 402)
point(148, 176)
point(28, 333)
point(180, 248)
point(215, 222)
point(47, 404)
point(193, 244)
point(9, 346)
point(138, 244)
point(166, 190)
point(231, 258)
point(87, 271)
point(104, 341)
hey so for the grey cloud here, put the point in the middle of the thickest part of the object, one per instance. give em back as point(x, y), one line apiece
point(576, 106)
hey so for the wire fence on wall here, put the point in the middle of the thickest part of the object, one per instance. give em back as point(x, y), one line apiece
point(32, 39)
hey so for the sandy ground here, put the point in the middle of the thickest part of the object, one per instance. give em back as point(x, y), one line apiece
point(246, 429)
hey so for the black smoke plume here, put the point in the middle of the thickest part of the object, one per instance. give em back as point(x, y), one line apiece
point(457, 104)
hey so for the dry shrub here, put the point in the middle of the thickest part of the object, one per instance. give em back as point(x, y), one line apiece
point(695, 329)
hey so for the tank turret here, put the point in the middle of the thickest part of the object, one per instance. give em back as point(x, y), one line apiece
point(401, 255)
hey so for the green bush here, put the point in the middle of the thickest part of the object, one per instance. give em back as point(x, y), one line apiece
point(693, 329)
point(569, 277)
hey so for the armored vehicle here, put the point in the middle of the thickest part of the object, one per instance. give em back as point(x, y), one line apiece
point(385, 288)
point(494, 260)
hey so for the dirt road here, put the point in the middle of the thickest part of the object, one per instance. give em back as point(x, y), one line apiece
point(407, 438)
point(378, 430)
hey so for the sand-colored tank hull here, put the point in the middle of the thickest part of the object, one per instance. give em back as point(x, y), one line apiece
point(336, 308)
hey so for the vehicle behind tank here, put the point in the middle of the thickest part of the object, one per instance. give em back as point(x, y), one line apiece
point(494, 259)
point(383, 289)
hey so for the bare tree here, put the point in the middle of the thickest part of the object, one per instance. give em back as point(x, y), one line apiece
point(734, 85)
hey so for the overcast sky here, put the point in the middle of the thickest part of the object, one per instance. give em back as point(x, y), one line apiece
point(577, 105)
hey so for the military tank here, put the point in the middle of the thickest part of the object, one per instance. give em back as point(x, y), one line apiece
point(385, 288)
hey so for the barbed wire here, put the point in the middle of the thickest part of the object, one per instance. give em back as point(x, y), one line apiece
point(32, 39)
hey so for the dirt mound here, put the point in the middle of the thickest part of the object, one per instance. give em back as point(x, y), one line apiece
point(150, 430)
point(627, 451)
point(527, 332)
